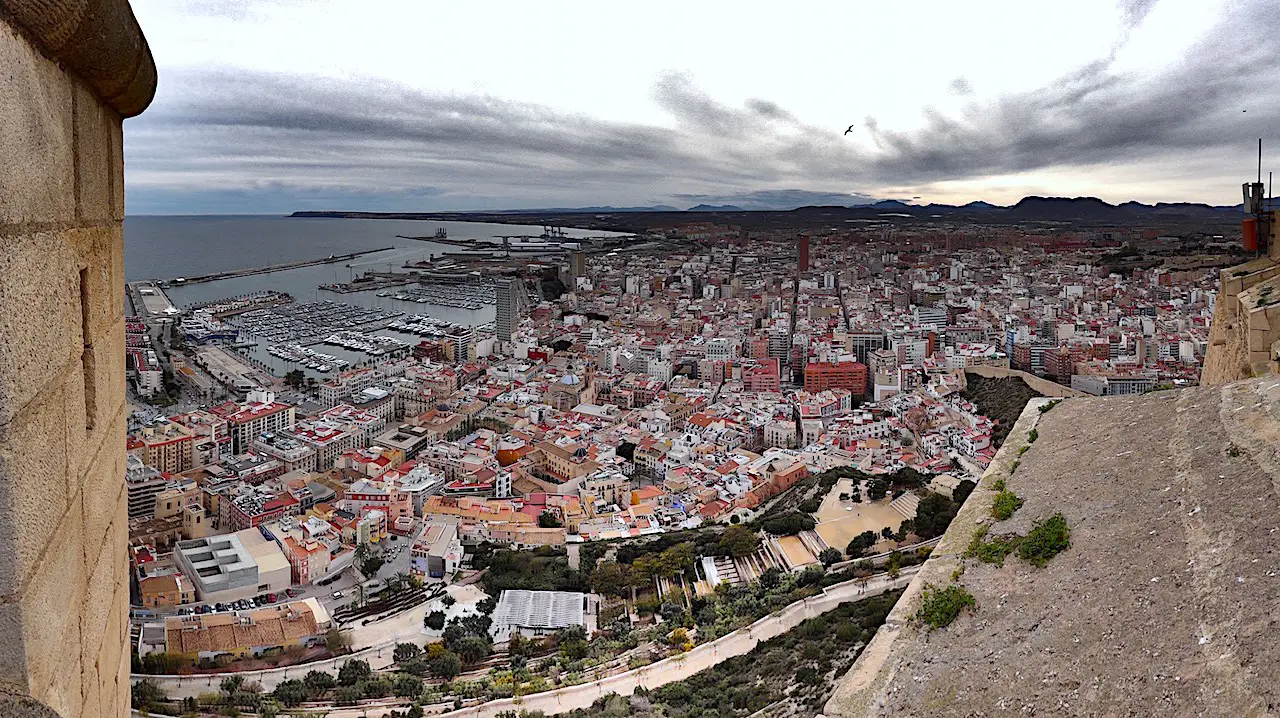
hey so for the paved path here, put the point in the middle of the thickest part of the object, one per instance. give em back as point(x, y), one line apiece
point(652, 676)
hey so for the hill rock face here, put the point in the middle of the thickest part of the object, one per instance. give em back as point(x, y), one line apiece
point(1164, 604)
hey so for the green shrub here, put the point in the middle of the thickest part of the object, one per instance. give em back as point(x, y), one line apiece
point(941, 606)
point(1045, 408)
point(1033, 435)
point(1000, 484)
point(1047, 539)
point(1005, 503)
point(995, 550)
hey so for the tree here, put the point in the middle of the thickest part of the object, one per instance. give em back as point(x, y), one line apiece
point(610, 578)
point(738, 541)
point(405, 652)
point(893, 566)
point(295, 379)
point(886, 532)
point(370, 566)
point(335, 641)
point(830, 556)
point(905, 528)
point(319, 681)
point(292, 692)
point(961, 494)
point(518, 645)
point(407, 686)
point(679, 640)
point(548, 520)
point(934, 515)
point(859, 545)
point(771, 577)
point(231, 685)
point(876, 489)
point(434, 620)
point(448, 601)
point(789, 524)
point(676, 560)
point(446, 665)
point(487, 606)
point(146, 692)
point(473, 649)
point(353, 671)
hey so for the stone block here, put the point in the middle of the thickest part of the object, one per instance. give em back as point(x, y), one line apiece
point(39, 314)
point(53, 598)
point(34, 490)
point(102, 488)
point(95, 166)
point(37, 176)
point(105, 577)
point(66, 692)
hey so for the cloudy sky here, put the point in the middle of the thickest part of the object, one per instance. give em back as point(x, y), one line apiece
point(271, 106)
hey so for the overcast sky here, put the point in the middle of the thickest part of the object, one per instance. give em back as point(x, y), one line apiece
point(272, 106)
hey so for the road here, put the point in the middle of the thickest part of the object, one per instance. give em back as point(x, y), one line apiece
point(407, 627)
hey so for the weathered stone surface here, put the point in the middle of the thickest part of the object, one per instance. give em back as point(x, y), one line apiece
point(53, 599)
point(34, 490)
point(1164, 605)
point(99, 40)
point(37, 180)
point(39, 316)
point(63, 529)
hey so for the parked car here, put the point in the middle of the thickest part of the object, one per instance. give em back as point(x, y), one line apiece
point(292, 593)
point(338, 594)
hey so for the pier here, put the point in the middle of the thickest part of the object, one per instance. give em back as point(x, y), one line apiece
point(270, 268)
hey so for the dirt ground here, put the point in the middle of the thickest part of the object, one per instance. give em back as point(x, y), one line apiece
point(837, 526)
point(797, 554)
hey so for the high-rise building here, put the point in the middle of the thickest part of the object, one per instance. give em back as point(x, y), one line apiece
point(578, 264)
point(804, 253)
point(508, 315)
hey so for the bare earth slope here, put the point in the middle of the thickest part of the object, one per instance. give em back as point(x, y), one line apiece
point(1167, 603)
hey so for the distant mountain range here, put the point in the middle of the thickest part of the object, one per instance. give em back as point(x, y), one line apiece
point(1084, 210)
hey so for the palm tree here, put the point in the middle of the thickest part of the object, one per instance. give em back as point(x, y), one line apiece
point(403, 580)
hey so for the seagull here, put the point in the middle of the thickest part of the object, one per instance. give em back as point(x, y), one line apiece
point(849, 130)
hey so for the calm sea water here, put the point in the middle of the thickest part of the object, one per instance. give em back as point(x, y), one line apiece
point(169, 247)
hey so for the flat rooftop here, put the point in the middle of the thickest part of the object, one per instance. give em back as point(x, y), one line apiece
point(1167, 601)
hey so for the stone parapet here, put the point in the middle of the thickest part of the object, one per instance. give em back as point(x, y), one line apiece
point(97, 40)
point(71, 71)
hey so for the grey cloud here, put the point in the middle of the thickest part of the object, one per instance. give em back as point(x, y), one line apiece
point(778, 199)
point(245, 132)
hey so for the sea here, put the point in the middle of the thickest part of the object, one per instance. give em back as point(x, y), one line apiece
point(168, 247)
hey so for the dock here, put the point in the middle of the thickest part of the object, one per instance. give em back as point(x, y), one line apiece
point(178, 281)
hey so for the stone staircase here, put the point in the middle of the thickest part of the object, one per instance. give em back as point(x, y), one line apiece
point(906, 505)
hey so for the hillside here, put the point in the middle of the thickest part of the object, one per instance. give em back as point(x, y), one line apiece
point(1164, 602)
point(1001, 398)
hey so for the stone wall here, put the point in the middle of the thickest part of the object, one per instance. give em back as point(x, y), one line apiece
point(859, 692)
point(63, 567)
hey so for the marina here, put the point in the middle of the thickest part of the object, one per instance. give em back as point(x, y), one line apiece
point(306, 323)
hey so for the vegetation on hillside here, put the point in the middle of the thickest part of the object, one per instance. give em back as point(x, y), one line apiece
point(792, 674)
point(1002, 399)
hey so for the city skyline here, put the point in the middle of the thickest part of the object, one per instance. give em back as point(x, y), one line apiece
point(273, 107)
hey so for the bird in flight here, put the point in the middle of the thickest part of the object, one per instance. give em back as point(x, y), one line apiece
point(849, 130)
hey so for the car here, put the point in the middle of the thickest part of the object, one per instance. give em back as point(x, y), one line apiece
point(271, 598)
point(338, 594)
point(291, 592)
